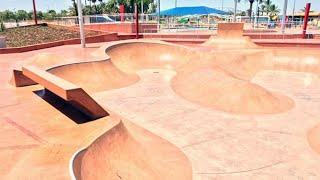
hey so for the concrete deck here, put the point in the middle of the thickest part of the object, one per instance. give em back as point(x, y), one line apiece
point(218, 143)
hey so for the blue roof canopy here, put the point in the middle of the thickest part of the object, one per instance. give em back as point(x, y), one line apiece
point(196, 10)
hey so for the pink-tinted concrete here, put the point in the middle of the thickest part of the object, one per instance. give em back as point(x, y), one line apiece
point(189, 112)
point(126, 27)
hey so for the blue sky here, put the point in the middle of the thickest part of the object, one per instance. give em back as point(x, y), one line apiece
point(165, 4)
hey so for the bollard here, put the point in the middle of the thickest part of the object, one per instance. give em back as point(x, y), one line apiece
point(3, 42)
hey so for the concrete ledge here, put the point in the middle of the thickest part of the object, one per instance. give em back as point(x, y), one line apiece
point(230, 30)
point(206, 36)
point(66, 90)
point(261, 42)
point(20, 80)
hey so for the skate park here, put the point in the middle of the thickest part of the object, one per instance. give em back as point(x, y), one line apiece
point(229, 107)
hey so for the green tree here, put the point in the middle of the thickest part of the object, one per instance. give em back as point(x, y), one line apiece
point(270, 9)
point(63, 13)
point(74, 9)
point(50, 15)
point(250, 8)
point(22, 15)
point(9, 15)
point(86, 10)
point(40, 15)
point(30, 15)
point(95, 7)
point(112, 6)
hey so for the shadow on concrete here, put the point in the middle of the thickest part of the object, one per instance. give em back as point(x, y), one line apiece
point(63, 106)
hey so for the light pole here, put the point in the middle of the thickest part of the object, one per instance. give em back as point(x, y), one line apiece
point(293, 10)
point(222, 4)
point(257, 14)
point(250, 13)
point(81, 25)
point(35, 12)
point(284, 16)
point(141, 6)
point(158, 1)
point(235, 10)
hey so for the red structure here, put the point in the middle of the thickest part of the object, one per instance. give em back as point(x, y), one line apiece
point(35, 12)
point(121, 9)
point(137, 20)
point(306, 17)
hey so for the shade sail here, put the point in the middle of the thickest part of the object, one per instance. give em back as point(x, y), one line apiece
point(196, 10)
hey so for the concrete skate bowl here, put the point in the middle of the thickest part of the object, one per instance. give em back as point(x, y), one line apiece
point(313, 138)
point(230, 88)
point(133, 56)
point(298, 60)
point(130, 152)
point(221, 90)
point(95, 76)
point(123, 61)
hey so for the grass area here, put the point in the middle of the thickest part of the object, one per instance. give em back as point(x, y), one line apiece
point(30, 35)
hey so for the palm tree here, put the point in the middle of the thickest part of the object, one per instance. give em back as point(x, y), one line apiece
point(270, 9)
point(95, 7)
point(235, 10)
point(273, 10)
point(75, 6)
point(90, 7)
point(250, 9)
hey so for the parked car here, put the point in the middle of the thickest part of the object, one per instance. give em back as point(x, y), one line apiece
point(100, 19)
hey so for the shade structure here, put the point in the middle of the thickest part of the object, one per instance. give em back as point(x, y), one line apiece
point(195, 10)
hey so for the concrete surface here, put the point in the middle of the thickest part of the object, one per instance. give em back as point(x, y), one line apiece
point(229, 114)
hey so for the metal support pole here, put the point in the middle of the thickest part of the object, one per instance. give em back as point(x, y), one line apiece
point(158, 1)
point(257, 15)
point(222, 5)
point(284, 16)
point(142, 7)
point(175, 3)
point(137, 20)
point(35, 12)
point(250, 12)
point(235, 10)
point(306, 18)
point(293, 10)
point(142, 14)
point(81, 25)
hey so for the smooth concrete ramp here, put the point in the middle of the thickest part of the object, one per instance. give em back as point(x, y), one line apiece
point(132, 56)
point(313, 138)
point(42, 61)
point(223, 91)
point(130, 152)
point(95, 76)
point(230, 36)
